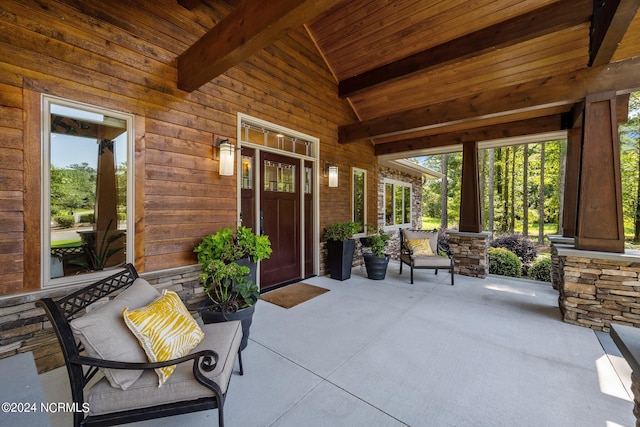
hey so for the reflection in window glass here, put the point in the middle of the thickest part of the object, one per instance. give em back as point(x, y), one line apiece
point(279, 177)
point(247, 172)
point(87, 184)
point(397, 203)
point(359, 198)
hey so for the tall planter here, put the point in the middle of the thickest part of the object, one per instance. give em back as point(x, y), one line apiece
point(340, 257)
point(244, 315)
point(376, 266)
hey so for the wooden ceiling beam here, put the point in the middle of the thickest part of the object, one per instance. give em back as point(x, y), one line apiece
point(249, 28)
point(189, 4)
point(609, 23)
point(550, 123)
point(564, 89)
point(546, 20)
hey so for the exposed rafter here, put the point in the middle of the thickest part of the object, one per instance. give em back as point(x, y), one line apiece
point(250, 27)
point(609, 23)
point(546, 20)
point(564, 89)
point(535, 125)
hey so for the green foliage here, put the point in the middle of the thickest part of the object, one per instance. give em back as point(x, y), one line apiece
point(226, 285)
point(65, 221)
point(541, 269)
point(228, 246)
point(504, 262)
point(74, 187)
point(100, 254)
point(521, 245)
point(341, 231)
point(378, 240)
point(88, 217)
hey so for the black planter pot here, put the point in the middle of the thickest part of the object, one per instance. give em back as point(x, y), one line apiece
point(244, 315)
point(253, 268)
point(376, 266)
point(340, 257)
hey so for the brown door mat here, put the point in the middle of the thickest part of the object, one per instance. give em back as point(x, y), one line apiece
point(292, 295)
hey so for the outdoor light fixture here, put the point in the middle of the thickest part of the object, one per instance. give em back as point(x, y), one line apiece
point(226, 156)
point(332, 172)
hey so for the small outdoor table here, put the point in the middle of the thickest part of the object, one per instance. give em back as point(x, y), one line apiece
point(627, 339)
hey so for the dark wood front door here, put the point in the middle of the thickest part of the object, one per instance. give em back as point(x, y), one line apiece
point(280, 218)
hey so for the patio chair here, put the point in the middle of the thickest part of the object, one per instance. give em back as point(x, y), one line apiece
point(419, 249)
point(96, 339)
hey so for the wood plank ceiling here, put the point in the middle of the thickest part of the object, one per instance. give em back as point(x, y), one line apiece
point(429, 73)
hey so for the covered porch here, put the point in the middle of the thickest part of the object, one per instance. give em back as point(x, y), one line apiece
point(485, 352)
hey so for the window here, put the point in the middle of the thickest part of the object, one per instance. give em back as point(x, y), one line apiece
point(359, 197)
point(87, 190)
point(397, 203)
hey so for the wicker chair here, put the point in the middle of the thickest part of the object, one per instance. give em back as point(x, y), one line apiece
point(434, 261)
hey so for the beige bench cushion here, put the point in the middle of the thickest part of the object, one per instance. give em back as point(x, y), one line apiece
point(435, 261)
point(181, 386)
point(421, 234)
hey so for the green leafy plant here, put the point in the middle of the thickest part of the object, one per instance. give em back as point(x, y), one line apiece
point(377, 240)
point(99, 254)
point(341, 231)
point(228, 245)
point(504, 262)
point(65, 221)
point(541, 269)
point(226, 285)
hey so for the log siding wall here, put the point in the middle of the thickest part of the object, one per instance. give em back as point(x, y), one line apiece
point(122, 55)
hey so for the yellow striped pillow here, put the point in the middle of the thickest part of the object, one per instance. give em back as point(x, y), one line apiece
point(165, 330)
point(420, 247)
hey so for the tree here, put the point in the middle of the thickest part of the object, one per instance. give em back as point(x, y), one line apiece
point(491, 189)
point(444, 217)
point(541, 195)
point(525, 190)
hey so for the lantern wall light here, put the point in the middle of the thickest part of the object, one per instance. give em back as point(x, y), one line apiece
point(331, 171)
point(226, 155)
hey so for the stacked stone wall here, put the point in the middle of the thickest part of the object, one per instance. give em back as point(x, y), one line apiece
point(470, 253)
point(597, 292)
point(24, 327)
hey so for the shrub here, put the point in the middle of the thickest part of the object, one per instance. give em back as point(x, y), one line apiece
point(504, 262)
point(541, 269)
point(519, 244)
point(65, 221)
point(87, 218)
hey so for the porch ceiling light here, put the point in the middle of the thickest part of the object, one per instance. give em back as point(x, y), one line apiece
point(226, 156)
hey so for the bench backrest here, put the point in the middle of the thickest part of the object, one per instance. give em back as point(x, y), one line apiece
point(65, 309)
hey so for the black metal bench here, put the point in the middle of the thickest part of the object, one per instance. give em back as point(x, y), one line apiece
point(82, 369)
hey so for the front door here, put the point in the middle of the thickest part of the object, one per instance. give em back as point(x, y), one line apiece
point(280, 218)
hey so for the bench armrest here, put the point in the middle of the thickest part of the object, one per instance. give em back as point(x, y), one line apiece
point(208, 363)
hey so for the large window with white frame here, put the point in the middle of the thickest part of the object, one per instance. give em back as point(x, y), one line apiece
point(397, 203)
point(87, 190)
point(359, 197)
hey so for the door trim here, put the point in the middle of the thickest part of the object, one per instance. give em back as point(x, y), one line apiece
point(314, 158)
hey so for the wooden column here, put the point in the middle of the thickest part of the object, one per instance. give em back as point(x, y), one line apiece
point(470, 190)
point(600, 225)
point(572, 182)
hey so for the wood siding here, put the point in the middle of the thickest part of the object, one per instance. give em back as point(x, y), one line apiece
point(122, 56)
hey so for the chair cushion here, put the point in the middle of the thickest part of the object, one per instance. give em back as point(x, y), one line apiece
point(420, 247)
point(166, 330)
point(435, 261)
point(422, 234)
point(223, 338)
point(116, 341)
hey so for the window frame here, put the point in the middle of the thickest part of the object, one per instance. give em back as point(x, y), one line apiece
point(355, 170)
point(404, 185)
point(45, 187)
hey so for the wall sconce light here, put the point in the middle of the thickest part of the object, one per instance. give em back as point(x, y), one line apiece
point(226, 156)
point(332, 172)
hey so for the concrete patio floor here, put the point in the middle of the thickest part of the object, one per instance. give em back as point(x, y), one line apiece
point(490, 352)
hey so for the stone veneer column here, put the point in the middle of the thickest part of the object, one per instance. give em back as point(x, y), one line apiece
point(597, 289)
point(470, 253)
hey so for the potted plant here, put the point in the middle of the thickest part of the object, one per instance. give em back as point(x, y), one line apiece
point(377, 260)
point(228, 261)
point(340, 248)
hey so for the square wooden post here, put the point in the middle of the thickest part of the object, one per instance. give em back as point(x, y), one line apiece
point(600, 223)
point(470, 219)
point(572, 182)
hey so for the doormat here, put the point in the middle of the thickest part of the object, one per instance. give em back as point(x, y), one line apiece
point(292, 295)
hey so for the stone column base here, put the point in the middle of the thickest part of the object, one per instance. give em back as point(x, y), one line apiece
point(470, 253)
